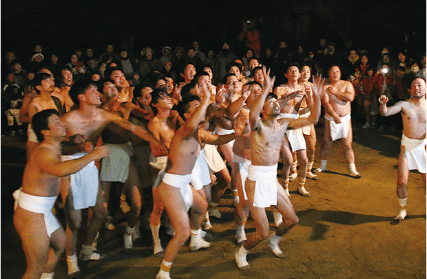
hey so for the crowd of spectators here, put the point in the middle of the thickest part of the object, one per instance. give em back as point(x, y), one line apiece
point(388, 71)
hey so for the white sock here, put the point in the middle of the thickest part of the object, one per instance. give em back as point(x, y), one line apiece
point(72, 264)
point(323, 164)
point(352, 168)
point(47, 275)
point(130, 230)
point(86, 249)
point(402, 202)
point(278, 219)
point(274, 239)
point(309, 166)
point(242, 251)
point(196, 232)
point(165, 268)
point(240, 233)
point(294, 166)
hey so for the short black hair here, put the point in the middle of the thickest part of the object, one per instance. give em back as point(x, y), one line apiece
point(254, 82)
point(184, 104)
point(79, 88)
point(156, 95)
point(40, 122)
point(271, 95)
point(186, 90)
point(292, 64)
point(185, 66)
point(234, 64)
point(38, 78)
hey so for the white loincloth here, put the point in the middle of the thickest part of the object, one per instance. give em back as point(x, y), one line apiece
point(265, 178)
point(340, 130)
point(115, 167)
point(296, 139)
point(201, 175)
point(288, 115)
point(38, 204)
point(415, 153)
point(84, 183)
point(221, 131)
point(243, 171)
point(31, 135)
point(183, 183)
point(213, 159)
point(306, 130)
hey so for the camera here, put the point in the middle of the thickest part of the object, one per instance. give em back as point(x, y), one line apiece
point(384, 70)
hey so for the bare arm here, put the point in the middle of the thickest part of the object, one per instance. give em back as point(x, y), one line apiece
point(254, 115)
point(347, 95)
point(48, 162)
point(192, 124)
point(209, 138)
point(236, 106)
point(387, 111)
point(329, 109)
point(315, 108)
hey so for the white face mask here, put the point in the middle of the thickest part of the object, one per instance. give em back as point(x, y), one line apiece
point(311, 55)
point(415, 69)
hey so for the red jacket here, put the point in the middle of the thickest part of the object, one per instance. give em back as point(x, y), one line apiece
point(252, 40)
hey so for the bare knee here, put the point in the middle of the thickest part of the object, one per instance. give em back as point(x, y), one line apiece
point(263, 233)
point(291, 222)
point(74, 223)
point(182, 234)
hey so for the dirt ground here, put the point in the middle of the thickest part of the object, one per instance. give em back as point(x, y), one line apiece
point(346, 227)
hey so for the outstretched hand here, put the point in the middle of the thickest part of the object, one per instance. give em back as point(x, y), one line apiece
point(318, 82)
point(100, 152)
point(269, 82)
point(383, 99)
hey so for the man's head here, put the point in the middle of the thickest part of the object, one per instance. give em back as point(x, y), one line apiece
point(188, 72)
point(117, 77)
point(43, 82)
point(10, 78)
point(232, 81)
point(258, 74)
point(10, 56)
point(331, 48)
point(109, 49)
point(271, 106)
point(253, 62)
point(110, 91)
point(418, 88)
point(191, 53)
point(353, 53)
point(208, 69)
point(305, 72)
point(46, 123)
point(142, 94)
point(188, 106)
point(89, 52)
point(256, 90)
point(65, 77)
point(85, 92)
point(282, 44)
point(37, 49)
point(292, 73)
point(235, 68)
point(123, 54)
point(16, 66)
point(334, 73)
point(196, 45)
point(160, 100)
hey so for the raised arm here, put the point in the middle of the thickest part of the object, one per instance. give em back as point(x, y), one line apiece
point(387, 111)
point(254, 116)
point(314, 105)
point(48, 162)
point(192, 124)
point(235, 107)
point(209, 138)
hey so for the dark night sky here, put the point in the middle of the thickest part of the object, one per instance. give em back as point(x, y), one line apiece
point(68, 25)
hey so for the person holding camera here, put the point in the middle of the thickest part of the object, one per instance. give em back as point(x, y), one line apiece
point(250, 36)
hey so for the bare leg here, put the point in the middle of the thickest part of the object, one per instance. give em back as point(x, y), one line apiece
point(218, 189)
point(402, 181)
point(73, 217)
point(42, 253)
point(241, 212)
point(287, 160)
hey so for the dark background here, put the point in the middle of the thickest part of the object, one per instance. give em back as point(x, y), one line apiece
point(64, 26)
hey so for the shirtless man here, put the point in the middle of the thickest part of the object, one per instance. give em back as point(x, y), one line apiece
point(42, 236)
point(292, 99)
point(413, 148)
point(86, 123)
point(309, 132)
point(116, 76)
point(188, 72)
point(163, 127)
point(118, 139)
point(174, 190)
point(65, 79)
point(44, 85)
point(267, 136)
point(337, 103)
point(242, 155)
